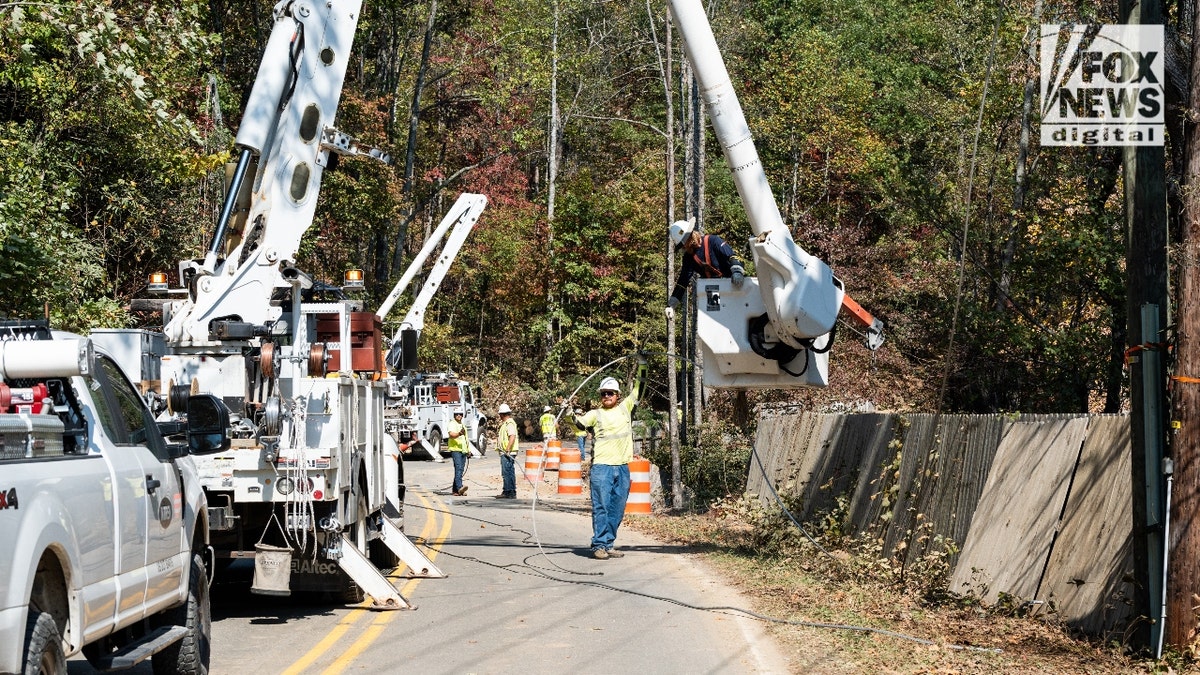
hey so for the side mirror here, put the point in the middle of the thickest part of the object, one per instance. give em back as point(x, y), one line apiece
point(208, 424)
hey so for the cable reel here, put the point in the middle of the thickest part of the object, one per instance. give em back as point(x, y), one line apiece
point(268, 360)
point(318, 360)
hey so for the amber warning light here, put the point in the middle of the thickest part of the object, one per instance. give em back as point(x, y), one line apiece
point(157, 282)
point(353, 279)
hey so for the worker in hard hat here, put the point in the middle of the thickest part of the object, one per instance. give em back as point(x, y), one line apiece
point(507, 438)
point(580, 435)
point(459, 449)
point(705, 254)
point(612, 450)
point(549, 425)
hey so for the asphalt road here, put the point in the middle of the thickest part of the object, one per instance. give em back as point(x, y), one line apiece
point(522, 595)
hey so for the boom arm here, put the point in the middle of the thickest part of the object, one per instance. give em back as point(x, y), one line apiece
point(462, 216)
point(783, 341)
point(288, 124)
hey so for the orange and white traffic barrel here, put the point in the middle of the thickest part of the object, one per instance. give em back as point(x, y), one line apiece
point(570, 472)
point(533, 463)
point(639, 486)
point(553, 451)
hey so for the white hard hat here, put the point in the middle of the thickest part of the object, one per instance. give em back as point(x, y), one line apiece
point(504, 409)
point(546, 409)
point(610, 384)
point(680, 231)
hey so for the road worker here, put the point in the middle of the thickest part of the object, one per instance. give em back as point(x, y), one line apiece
point(612, 450)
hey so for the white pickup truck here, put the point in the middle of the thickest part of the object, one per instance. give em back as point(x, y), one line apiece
point(102, 520)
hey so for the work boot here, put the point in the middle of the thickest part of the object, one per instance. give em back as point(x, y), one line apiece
point(461, 491)
point(600, 554)
point(614, 553)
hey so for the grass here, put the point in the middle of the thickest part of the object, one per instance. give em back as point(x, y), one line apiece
point(792, 581)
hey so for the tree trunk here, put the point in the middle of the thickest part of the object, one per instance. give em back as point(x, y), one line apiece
point(410, 152)
point(1015, 231)
point(551, 176)
point(672, 421)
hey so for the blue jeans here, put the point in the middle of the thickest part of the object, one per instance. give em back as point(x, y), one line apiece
point(610, 489)
point(460, 465)
point(508, 473)
point(582, 440)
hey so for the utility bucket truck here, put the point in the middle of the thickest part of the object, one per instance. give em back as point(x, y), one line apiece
point(773, 331)
point(310, 471)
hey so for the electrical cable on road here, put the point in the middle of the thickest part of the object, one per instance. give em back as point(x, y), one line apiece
point(527, 568)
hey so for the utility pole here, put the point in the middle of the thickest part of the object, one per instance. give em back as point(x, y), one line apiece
point(1183, 564)
point(1146, 265)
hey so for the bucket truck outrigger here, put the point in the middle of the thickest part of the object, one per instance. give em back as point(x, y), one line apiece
point(773, 331)
point(302, 379)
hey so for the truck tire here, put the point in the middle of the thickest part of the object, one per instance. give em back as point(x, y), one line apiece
point(190, 655)
point(435, 443)
point(43, 645)
point(481, 443)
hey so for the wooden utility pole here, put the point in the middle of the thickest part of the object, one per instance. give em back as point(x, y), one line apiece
point(1183, 571)
point(1144, 171)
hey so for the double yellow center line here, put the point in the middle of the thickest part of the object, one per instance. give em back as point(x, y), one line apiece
point(375, 628)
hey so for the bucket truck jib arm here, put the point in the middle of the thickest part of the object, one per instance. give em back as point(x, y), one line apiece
point(774, 331)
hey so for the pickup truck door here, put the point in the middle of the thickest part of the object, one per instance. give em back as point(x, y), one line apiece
point(158, 493)
point(123, 591)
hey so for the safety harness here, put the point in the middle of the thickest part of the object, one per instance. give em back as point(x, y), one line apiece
point(706, 268)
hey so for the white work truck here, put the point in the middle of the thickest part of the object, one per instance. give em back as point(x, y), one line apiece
point(420, 408)
point(102, 518)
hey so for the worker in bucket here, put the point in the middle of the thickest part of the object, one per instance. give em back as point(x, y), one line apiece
point(705, 254)
point(549, 426)
point(507, 438)
point(459, 450)
point(612, 450)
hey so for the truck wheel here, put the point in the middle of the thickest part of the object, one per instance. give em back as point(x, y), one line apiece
point(435, 443)
point(190, 655)
point(481, 443)
point(43, 646)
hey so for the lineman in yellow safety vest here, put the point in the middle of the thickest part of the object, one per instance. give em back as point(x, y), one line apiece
point(580, 436)
point(549, 428)
point(507, 437)
point(459, 448)
point(612, 449)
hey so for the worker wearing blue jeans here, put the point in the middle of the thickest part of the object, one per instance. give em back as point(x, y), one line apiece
point(507, 437)
point(459, 448)
point(612, 426)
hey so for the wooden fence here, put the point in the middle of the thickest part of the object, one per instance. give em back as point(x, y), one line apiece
point(1037, 505)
